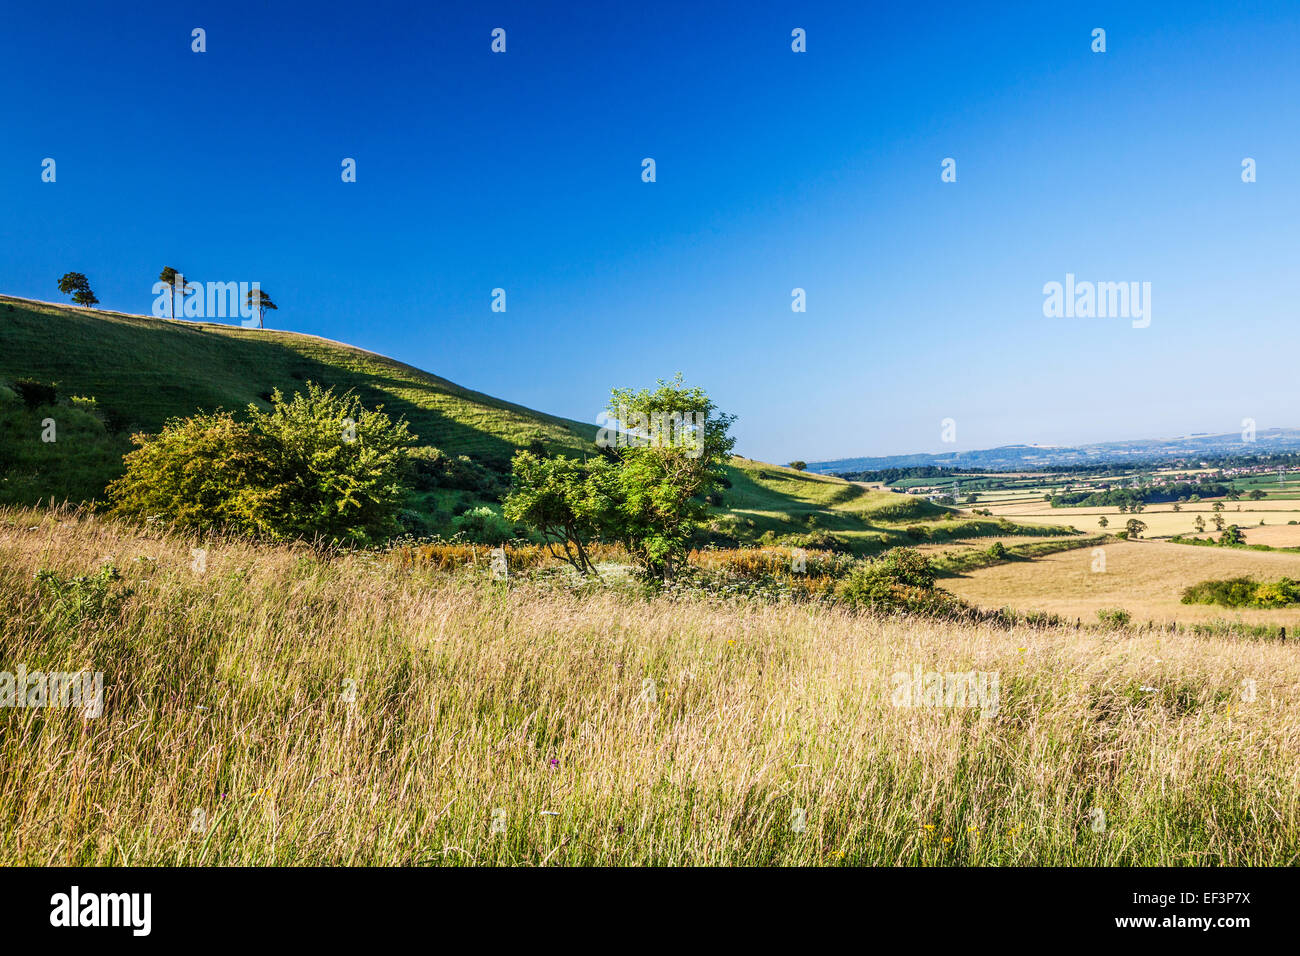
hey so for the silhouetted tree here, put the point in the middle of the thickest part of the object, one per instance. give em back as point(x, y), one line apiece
point(259, 300)
point(174, 280)
point(78, 286)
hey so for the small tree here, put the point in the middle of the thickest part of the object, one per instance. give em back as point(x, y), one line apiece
point(77, 285)
point(260, 302)
point(1217, 506)
point(1231, 535)
point(567, 501)
point(1102, 521)
point(173, 280)
point(1200, 524)
point(1177, 506)
point(662, 483)
point(1257, 495)
point(1135, 527)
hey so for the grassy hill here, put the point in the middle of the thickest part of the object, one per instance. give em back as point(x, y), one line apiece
point(117, 374)
point(140, 371)
point(143, 370)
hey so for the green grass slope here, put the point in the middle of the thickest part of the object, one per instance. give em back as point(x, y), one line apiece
point(140, 371)
point(143, 370)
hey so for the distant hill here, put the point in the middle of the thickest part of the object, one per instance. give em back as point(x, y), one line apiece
point(1029, 457)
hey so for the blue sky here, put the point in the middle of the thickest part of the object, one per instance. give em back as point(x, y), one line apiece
point(775, 170)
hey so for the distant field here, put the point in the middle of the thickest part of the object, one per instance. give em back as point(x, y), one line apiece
point(1161, 520)
point(1145, 578)
point(1275, 536)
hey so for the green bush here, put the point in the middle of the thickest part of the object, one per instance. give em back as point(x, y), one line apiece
point(317, 465)
point(820, 540)
point(417, 523)
point(997, 550)
point(432, 468)
point(1114, 617)
point(1243, 592)
point(901, 579)
point(35, 394)
point(483, 526)
point(1231, 535)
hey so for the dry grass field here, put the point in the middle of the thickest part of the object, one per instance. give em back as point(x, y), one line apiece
point(1161, 520)
point(1275, 536)
point(1145, 578)
point(276, 706)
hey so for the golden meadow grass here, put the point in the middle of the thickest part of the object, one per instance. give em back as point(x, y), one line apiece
point(226, 694)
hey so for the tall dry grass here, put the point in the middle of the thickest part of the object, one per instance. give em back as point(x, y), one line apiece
point(226, 695)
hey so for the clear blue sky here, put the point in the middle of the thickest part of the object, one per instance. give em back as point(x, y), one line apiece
point(775, 170)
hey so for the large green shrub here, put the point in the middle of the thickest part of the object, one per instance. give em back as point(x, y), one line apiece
point(666, 450)
point(317, 465)
point(567, 501)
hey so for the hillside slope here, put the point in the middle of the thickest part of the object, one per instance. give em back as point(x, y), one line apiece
point(143, 370)
point(117, 374)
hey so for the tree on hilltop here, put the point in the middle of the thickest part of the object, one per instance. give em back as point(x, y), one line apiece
point(173, 280)
point(77, 285)
point(259, 301)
